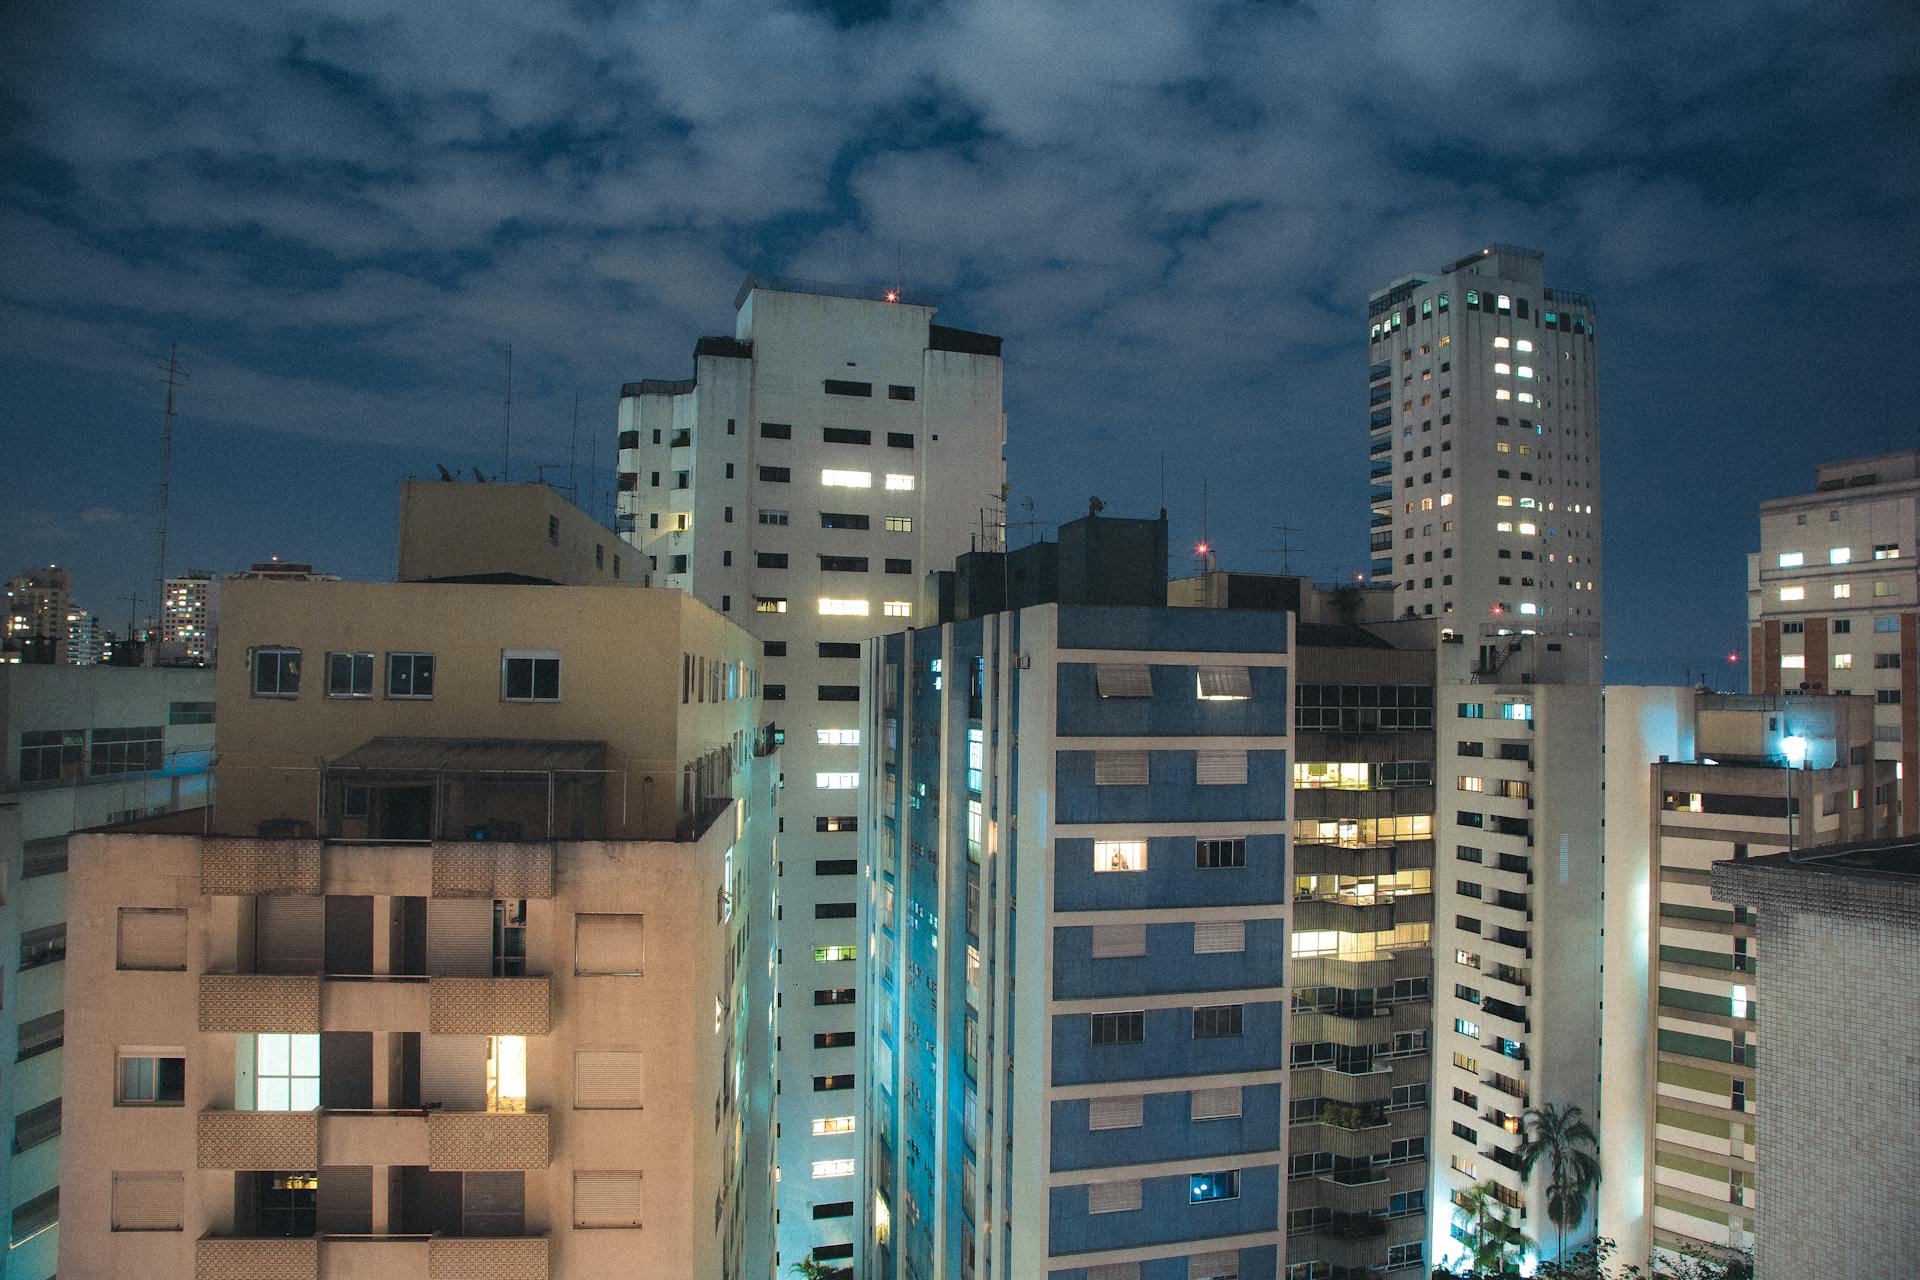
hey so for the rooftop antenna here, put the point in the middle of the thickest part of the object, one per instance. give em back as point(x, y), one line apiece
point(506, 448)
point(573, 452)
point(444, 473)
point(1286, 532)
point(1203, 550)
point(175, 377)
point(540, 470)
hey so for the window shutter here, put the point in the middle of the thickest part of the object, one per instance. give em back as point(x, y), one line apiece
point(1111, 940)
point(153, 938)
point(460, 937)
point(148, 1201)
point(608, 944)
point(344, 1205)
point(1216, 1104)
point(1113, 1197)
point(289, 933)
point(1121, 768)
point(1223, 1265)
point(1123, 680)
point(453, 1072)
point(1115, 1113)
point(1219, 935)
point(606, 1079)
point(606, 1199)
point(1220, 768)
point(1225, 682)
point(1115, 1271)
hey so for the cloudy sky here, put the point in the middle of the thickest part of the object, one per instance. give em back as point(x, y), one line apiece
point(344, 210)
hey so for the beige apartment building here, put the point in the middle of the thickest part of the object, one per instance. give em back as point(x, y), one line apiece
point(452, 976)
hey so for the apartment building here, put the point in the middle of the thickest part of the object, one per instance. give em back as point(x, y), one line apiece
point(1840, 927)
point(84, 639)
point(1696, 778)
point(36, 615)
point(1833, 600)
point(1517, 912)
point(1359, 1110)
point(189, 619)
point(1120, 770)
point(1484, 445)
point(79, 746)
point(817, 463)
point(457, 974)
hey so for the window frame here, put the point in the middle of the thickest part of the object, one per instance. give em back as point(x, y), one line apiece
point(413, 660)
point(534, 657)
point(354, 659)
point(281, 687)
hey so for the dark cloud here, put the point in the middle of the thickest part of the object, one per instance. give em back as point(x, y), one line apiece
point(344, 212)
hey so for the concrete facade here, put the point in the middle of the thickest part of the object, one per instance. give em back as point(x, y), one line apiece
point(452, 531)
point(802, 482)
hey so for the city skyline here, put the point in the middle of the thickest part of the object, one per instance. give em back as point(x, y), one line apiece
point(379, 232)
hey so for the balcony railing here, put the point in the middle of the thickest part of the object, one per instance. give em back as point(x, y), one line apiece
point(499, 1258)
point(238, 865)
point(257, 1140)
point(260, 1003)
point(469, 1141)
point(238, 1258)
point(489, 1006)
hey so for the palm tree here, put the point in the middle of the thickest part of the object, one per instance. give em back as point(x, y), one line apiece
point(809, 1269)
point(1564, 1139)
point(1495, 1235)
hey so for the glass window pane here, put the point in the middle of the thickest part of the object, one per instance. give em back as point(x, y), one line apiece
point(305, 1094)
point(272, 1094)
point(305, 1055)
point(272, 1055)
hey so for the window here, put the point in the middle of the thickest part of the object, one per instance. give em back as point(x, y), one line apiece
point(1840, 555)
point(836, 737)
point(843, 564)
point(276, 673)
point(776, 431)
point(1217, 1022)
point(838, 479)
point(1216, 937)
point(1213, 855)
point(153, 938)
point(847, 823)
point(828, 1126)
point(607, 1080)
point(606, 1199)
point(409, 675)
point(38, 1035)
point(1887, 697)
point(50, 754)
point(1843, 591)
point(125, 750)
point(835, 910)
point(896, 609)
point(839, 606)
point(767, 515)
point(834, 866)
point(1467, 1028)
point(608, 944)
point(841, 387)
point(1792, 559)
point(836, 781)
point(769, 604)
point(845, 435)
point(899, 566)
point(832, 995)
point(286, 1072)
point(1220, 768)
point(838, 693)
point(152, 1078)
point(1410, 1254)
point(835, 954)
point(1789, 594)
point(843, 520)
point(1113, 1197)
point(1887, 624)
point(776, 475)
point(1224, 684)
point(528, 675)
point(1204, 1188)
point(36, 1125)
point(45, 945)
point(1119, 1028)
point(899, 524)
point(1122, 680)
point(1215, 1104)
point(1123, 1112)
point(1120, 768)
point(349, 675)
point(1843, 662)
point(190, 713)
point(832, 1084)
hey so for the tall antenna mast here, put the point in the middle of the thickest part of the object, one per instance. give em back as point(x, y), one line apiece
point(573, 451)
point(506, 452)
point(175, 377)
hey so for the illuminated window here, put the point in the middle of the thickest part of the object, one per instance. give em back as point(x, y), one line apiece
point(1843, 591)
point(1426, 504)
point(1501, 344)
point(899, 524)
point(847, 479)
point(1502, 367)
point(896, 609)
point(833, 1168)
point(1840, 555)
point(1843, 662)
point(1503, 500)
point(770, 604)
point(1793, 593)
point(1793, 662)
point(1331, 774)
point(1516, 710)
point(1503, 394)
point(1526, 397)
point(1119, 855)
point(835, 955)
point(1503, 526)
point(826, 1126)
point(1529, 609)
point(1524, 371)
point(1503, 302)
point(837, 606)
point(836, 737)
point(1446, 499)
point(1529, 528)
point(286, 1072)
point(899, 482)
point(1887, 551)
point(1523, 345)
point(836, 781)
point(1792, 559)
point(1470, 783)
point(506, 1073)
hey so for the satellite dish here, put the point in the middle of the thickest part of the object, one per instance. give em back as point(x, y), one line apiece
point(1095, 506)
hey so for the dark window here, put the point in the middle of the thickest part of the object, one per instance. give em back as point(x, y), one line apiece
point(900, 439)
point(349, 675)
point(843, 564)
point(835, 910)
point(1212, 1022)
point(833, 1039)
point(845, 435)
point(773, 693)
point(50, 754)
point(899, 566)
point(843, 520)
point(776, 648)
point(895, 392)
point(828, 1084)
point(41, 1034)
point(836, 866)
point(45, 945)
point(629, 439)
point(46, 857)
point(775, 431)
point(1119, 1028)
point(151, 1080)
point(530, 677)
point(35, 1125)
point(772, 559)
point(839, 693)
point(276, 673)
point(31, 1217)
point(776, 475)
point(831, 1252)
point(833, 995)
point(553, 522)
point(841, 387)
point(837, 1209)
point(839, 649)
point(1216, 854)
point(845, 822)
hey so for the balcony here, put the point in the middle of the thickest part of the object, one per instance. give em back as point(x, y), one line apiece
point(373, 1138)
point(489, 1006)
point(487, 1140)
point(373, 1003)
point(493, 869)
point(257, 1140)
point(260, 1002)
point(231, 865)
point(233, 1258)
point(501, 1258)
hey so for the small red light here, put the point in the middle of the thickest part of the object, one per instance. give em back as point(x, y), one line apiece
point(1733, 657)
point(1496, 611)
point(893, 295)
point(1202, 549)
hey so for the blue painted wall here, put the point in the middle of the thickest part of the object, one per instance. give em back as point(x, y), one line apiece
point(1171, 794)
point(1171, 878)
point(1169, 965)
point(1164, 1215)
point(1166, 1132)
point(1255, 1264)
point(1195, 630)
point(1169, 1048)
point(1175, 709)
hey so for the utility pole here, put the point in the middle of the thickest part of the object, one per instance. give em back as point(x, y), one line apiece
point(506, 447)
point(175, 377)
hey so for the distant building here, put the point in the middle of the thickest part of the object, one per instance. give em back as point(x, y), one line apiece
point(84, 638)
point(1695, 778)
point(1840, 929)
point(79, 746)
point(1833, 600)
point(36, 614)
point(189, 620)
point(1142, 825)
point(451, 531)
point(282, 570)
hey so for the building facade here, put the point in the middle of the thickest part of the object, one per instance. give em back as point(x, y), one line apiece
point(1122, 774)
point(453, 531)
point(190, 619)
point(1485, 446)
point(1833, 600)
point(79, 747)
point(84, 639)
point(1840, 927)
point(36, 615)
point(800, 483)
point(454, 975)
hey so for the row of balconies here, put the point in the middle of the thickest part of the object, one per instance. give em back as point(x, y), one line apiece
point(245, 865)
point(454, 1141)
point(251, 1003)
point(408, 1257)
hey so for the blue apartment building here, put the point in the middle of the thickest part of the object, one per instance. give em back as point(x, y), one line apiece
point(1077, 812)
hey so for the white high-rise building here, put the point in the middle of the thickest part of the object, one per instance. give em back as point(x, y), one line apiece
point(1486, 447)
point(802, 482)
point(189, 618)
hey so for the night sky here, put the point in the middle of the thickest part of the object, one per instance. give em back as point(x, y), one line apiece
point(344, 211)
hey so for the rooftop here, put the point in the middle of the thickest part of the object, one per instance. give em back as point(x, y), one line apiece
point(1896, 858)
point(1868, 881)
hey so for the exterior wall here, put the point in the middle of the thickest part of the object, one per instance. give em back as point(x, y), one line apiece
point(452, 530)
point(706, 440)
point(965, 1136)
point(35, 819)
point(190, 619)
point(1835, 1009)
point(1452, 459)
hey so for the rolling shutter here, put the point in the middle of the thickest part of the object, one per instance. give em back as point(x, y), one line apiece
point(1219, 935)
point(1115, 1113)
point(608, 944)
point(1120, 768)
point(606, 1199)
point(1225, 683)
point(606, 1079)
point(453, 1072)
point(1223, 1265)
point(289, 933)
point(1220, 768)
point(1119, 940)
point(345, 1200)
point(1113, 1197)
point(148, 1201)
point(1123, 680)
point(1216, 1104)
point(460, 937)
point(153, 938)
